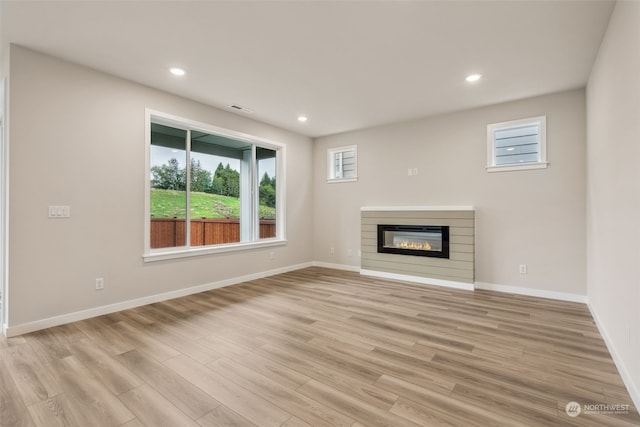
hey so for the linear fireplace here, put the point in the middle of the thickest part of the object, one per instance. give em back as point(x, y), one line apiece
point(419, 240)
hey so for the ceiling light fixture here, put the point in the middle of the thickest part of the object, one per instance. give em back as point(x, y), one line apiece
point(302, 119)
point(177, 71)
point(473, 78)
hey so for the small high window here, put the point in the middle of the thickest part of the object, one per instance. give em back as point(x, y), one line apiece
point(342, 164)
point(517, 144)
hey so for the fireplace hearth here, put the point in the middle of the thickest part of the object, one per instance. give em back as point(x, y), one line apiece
point(417, 240)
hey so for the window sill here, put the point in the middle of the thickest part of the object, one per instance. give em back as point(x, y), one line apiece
point(338, 180)
point(514, 167)
point(173, 253)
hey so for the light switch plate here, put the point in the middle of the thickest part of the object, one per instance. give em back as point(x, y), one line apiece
point(59, 211)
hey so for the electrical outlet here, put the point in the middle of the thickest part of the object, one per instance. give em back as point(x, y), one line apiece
point(332, 251)
point(272, 255)
point(409, 172)
point(99, 283)
point(415, 171)
point(523, 268)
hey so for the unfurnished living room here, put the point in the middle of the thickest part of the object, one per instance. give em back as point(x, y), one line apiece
point(319, 213)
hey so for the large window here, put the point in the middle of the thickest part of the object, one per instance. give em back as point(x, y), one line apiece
point(518, 144)
point(210, 189)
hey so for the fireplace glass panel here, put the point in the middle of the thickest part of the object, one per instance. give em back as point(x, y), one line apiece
point(420, 240)
point(413, 240)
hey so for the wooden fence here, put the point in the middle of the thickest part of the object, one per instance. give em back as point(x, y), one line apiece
point(170, 232)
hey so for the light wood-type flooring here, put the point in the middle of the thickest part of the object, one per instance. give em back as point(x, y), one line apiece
point(317, 347)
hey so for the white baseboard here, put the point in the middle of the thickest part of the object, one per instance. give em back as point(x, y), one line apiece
point(561, 296)
point(37, 325)
point(418, 279)
point(343, 267)
point(632, 388)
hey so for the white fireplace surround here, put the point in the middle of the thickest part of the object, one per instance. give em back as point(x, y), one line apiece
point(416, 208)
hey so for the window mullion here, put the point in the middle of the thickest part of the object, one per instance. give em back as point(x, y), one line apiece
point(246, 197)
point(187, 180)
point(255, 215)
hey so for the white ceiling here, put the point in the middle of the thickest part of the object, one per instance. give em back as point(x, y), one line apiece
point(346, 65)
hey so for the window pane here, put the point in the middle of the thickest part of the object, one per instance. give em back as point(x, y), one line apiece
point(337, 161)
point(217, 190)
point(518, 150)
point(348, 164)
point(168, 160)
point(517, 145)
point(266, 161)
point(342, 163)
point(518, 132)
point(517, 158)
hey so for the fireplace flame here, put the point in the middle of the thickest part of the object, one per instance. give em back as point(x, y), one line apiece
point(420, 246)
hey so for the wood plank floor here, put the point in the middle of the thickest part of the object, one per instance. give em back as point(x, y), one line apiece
point(317, 347)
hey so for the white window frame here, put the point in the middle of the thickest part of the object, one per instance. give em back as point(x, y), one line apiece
point(187, 251)
point(331, 152)
point(542, 163)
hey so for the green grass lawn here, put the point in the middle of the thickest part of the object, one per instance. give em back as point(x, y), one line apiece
point(170, 203)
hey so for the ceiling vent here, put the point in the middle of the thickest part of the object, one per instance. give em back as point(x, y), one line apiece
point(240, 108)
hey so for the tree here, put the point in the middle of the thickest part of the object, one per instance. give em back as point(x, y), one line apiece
point(226, 181)
point(200, 178)
point(169, 176)
point(267, 191)
point(233, 181)
point(172, 177)
point(217, 185)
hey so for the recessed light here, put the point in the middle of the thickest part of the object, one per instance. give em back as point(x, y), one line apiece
point(302, 119)
point(473, 77)
point(177, 71)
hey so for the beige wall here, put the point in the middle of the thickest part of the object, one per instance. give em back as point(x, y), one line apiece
point(533, 217)
point(613, 201)
point(77, 138)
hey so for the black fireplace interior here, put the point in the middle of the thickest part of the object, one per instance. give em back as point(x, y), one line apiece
point(418, 240)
